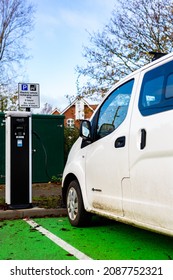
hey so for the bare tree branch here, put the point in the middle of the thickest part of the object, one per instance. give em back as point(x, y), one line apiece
point(134, 29)
point(16, 23)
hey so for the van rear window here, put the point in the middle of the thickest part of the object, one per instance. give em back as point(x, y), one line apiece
point(157, 90)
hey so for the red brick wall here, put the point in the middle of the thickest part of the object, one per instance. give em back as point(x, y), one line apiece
point(70, 114)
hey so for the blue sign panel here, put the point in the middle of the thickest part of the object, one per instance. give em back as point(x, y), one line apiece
point(24, 87)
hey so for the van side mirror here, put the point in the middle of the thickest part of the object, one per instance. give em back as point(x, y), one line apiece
point(85, 130)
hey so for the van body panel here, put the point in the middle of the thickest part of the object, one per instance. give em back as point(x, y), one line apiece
point(151, 175)
point(103, 182)
point(75, 167)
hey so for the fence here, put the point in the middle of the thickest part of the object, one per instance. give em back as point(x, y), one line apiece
point(47, 147)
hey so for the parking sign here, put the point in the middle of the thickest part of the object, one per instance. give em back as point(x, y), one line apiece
point(24, 87)
point(29, 95)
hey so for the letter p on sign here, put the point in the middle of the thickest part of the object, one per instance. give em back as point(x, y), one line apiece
point(24, 87)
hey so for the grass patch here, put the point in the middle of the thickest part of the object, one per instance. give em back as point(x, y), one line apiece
point(44, 195)
point(2, 204)
point(41, 201)
point(2, 201)
point(47, 201)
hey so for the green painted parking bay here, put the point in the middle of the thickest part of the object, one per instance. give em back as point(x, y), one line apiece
point(103, 240)
point(18, 241)
point(109, 240)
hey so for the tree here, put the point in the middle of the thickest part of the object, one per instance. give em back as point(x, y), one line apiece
point(123, 46)
point(47, 109)
point(16, 22)
point(70, 136)
point(8, 99)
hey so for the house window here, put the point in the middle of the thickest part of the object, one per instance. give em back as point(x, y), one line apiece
point(70, 123)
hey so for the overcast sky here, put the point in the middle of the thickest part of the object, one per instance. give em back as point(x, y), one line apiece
point(56, 46)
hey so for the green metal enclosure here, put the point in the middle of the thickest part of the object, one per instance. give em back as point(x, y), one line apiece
point(47, 147)
point(2, 148)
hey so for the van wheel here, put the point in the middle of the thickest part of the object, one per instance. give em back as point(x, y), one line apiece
point(75, 208)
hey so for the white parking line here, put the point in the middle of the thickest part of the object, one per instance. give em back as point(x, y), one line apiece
point(60, 242)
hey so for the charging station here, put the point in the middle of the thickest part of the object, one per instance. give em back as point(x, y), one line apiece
point(18, 192)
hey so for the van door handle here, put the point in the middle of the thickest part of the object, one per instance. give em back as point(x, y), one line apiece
point(143, 139)
point(120, 142)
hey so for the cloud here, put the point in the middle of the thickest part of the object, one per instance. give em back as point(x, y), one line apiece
point(47, 24)
point(78, 15)
point(86, 14)
point(48, 20)
point(77, 20)
point(50, 25)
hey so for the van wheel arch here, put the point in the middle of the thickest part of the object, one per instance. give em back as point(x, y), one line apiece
point(69, 178)
point(76, 212)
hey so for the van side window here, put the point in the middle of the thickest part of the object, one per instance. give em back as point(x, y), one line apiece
point(169, 87)
point(157, 90)
point(114, 110)
point(152, 91)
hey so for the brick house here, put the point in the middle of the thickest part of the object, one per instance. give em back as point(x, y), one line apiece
point(78, 110)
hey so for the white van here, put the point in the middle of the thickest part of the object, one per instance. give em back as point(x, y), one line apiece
point(121, 167)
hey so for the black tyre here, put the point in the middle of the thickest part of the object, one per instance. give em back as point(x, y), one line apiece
point(75, 208)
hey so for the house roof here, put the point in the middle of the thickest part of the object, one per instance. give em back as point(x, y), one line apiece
point(92, 107)
point(55, 111)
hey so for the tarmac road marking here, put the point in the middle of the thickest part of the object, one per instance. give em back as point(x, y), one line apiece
point(60, 242)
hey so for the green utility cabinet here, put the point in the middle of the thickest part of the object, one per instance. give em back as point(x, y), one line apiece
point(47, 147)
point(2, 148)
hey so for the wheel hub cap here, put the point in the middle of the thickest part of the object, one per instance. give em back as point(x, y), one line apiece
point(72, 204)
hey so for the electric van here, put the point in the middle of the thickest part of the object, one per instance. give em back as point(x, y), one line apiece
point(121, 166)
